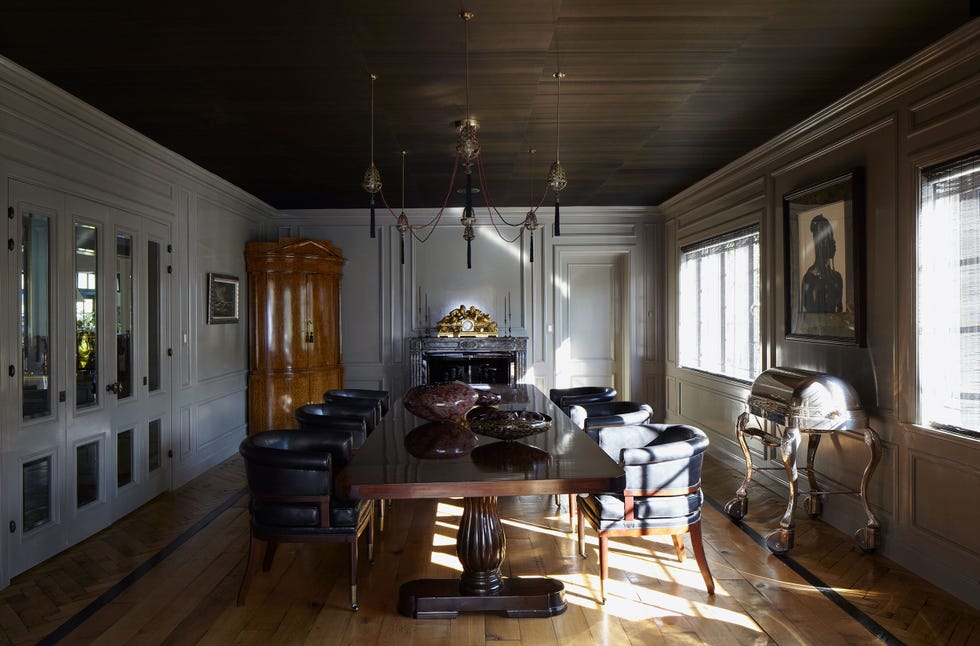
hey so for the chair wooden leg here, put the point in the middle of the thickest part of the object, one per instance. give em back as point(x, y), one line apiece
point(603, 564)
point(581, 533)
point(353, 574)
point(251, 563)
point(571, 510)
point(370, 537)
point(270, 553)
point(381, 514)
point(679, 546)
point(699, 556)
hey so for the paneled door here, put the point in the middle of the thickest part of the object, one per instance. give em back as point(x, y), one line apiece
point(90, 442)
point(591, 318)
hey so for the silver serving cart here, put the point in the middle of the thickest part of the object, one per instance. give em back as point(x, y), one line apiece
point(784, 403)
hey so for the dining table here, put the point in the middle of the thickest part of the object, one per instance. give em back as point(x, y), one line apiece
point(559, 459)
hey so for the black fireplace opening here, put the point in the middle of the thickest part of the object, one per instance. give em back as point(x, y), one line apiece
point(482, 368)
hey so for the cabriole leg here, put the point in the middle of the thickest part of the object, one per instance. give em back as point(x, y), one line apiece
point(781, 540)
point(869, 537)
point(738, 506)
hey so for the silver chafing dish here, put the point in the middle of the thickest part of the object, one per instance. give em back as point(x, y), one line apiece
point(783, 403)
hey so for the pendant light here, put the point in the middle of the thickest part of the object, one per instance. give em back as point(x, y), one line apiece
point(372, 176)
point(531, 219)
point(556, 175)
point(402, 223)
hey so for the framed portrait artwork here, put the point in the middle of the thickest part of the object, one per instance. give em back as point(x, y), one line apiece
point(824, 252)
point(222, 298)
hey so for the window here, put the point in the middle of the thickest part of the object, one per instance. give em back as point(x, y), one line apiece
point(948, 296)
point(719, 305)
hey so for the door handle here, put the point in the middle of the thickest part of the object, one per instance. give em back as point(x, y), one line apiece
point(309, 330)
point(113, 388)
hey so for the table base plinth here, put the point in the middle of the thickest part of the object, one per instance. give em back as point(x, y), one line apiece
point(441, 599)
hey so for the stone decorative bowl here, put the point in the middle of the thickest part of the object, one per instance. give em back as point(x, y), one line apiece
point(509, 424)
point(440, 402)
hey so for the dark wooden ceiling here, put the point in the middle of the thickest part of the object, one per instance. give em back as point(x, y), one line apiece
point(275, 96)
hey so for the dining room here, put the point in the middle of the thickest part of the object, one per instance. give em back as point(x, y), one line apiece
point(753, 223)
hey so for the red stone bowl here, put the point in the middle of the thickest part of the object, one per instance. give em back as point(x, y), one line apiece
point(440, 402)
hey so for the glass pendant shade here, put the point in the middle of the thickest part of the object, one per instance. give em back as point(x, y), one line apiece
point(468, 146)
point(372, 179)
point(556, 177)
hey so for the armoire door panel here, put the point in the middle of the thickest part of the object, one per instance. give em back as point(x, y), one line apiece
point(273, 397)
point(323, 321)
point(281, 300)
point(323, 380)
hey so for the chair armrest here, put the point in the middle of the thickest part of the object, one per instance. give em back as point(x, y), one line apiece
point(287, 459)
point(658, 453)
point(645, 443)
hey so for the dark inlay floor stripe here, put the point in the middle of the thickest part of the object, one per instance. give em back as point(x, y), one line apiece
point(872, 626)
point(106, 597)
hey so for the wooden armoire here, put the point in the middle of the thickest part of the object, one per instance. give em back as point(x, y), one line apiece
point(293, 327)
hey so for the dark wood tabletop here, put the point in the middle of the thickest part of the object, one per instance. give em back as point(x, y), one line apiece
point(562, 459)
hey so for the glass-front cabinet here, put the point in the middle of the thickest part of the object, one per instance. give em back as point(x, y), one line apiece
point(86, 421)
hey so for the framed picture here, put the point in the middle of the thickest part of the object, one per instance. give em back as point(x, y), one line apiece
point(222, 298)
point(824, 252)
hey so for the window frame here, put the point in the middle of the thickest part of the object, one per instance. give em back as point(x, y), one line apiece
point(733, 231)
point(915, 413)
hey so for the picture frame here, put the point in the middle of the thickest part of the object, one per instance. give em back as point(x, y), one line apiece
point(222, 298)
point(824, 254)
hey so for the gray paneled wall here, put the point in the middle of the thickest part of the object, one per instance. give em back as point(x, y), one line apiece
point(922, 112)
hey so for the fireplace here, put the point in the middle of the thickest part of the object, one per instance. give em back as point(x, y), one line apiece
point(490, 360)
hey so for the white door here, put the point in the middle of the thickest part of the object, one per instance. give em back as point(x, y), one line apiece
point(34, 454)
point(591, 331)
point(91, 440)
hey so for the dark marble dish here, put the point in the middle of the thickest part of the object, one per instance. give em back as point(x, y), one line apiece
point(509, 424)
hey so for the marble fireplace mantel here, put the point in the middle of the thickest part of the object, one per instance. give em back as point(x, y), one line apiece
point(424, 349)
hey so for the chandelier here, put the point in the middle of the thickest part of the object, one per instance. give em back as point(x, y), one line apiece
point(469, 159)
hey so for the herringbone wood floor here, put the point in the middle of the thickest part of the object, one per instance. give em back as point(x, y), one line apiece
point(189, 597)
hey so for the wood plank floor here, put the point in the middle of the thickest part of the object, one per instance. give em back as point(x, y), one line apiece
point(169, 573)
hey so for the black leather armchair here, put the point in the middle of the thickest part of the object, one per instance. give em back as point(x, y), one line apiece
point(662, 495)
point(381, 396)
point(356, 421)
point(565, 397)
point(291, 477)
point(370, 408)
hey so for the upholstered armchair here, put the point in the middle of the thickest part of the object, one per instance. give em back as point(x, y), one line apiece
point(357, 422)
point(662, 495)
point(592, 417)
point(363, 404)
point(290, 477)
point(381, 396)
